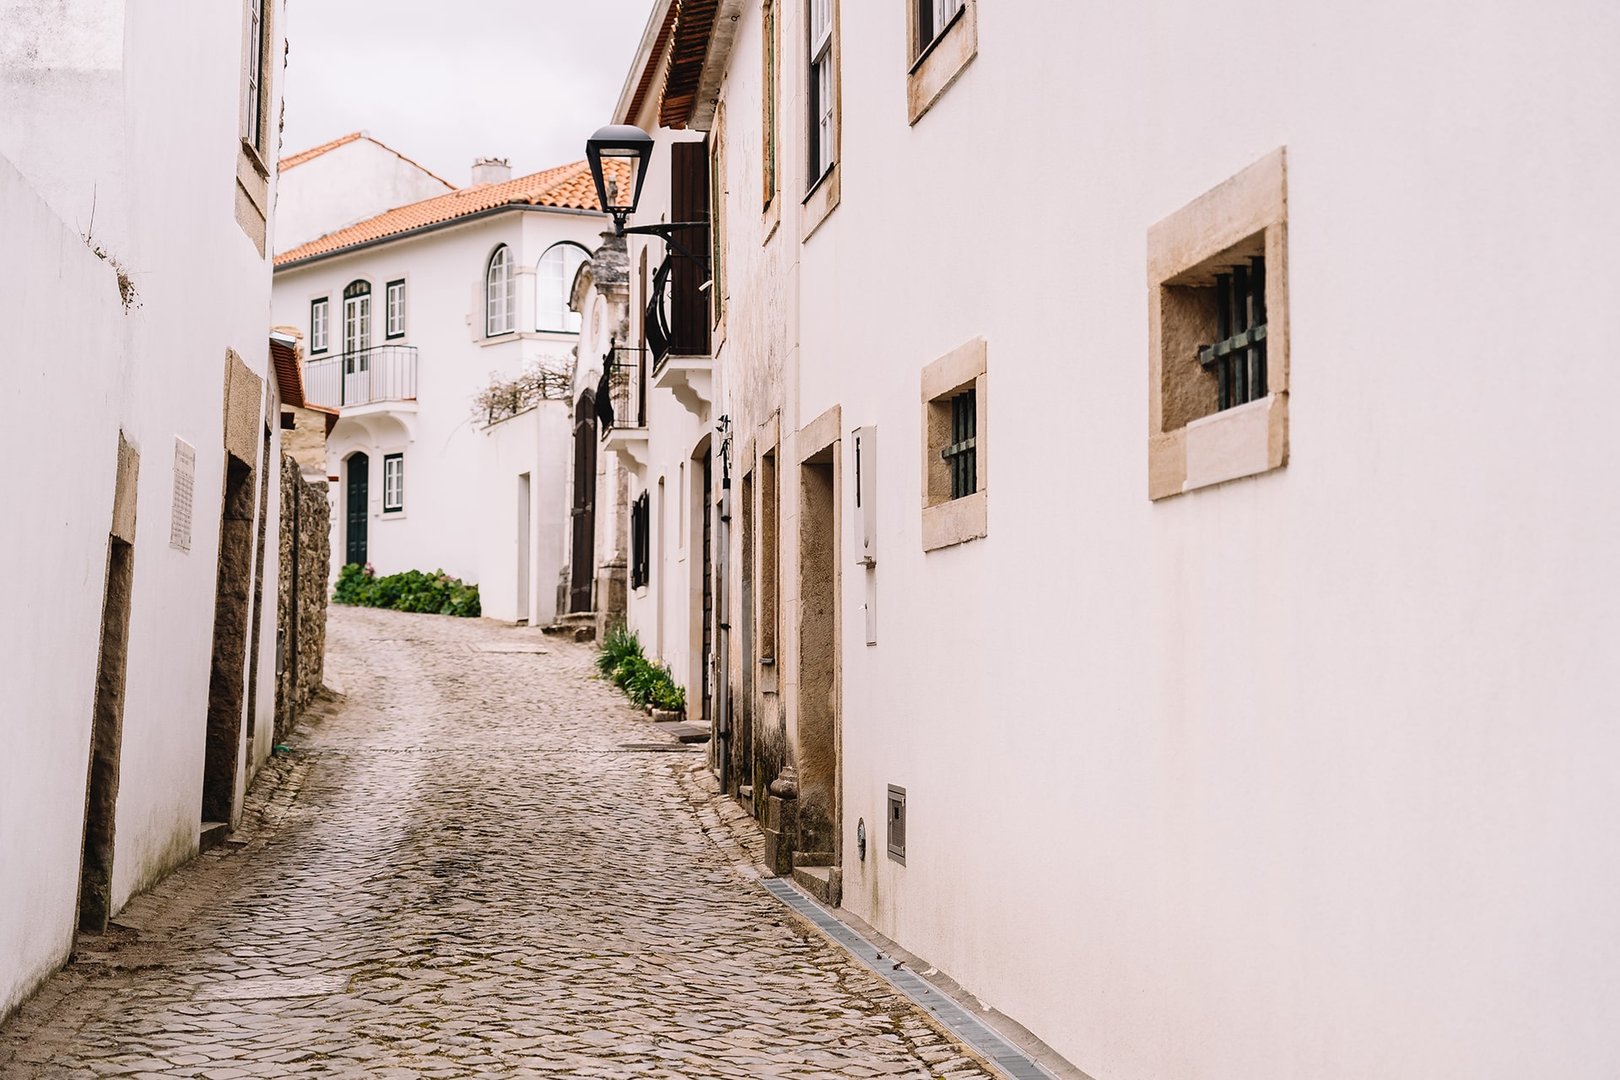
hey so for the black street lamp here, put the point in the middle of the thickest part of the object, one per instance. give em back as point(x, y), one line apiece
point(630, 145)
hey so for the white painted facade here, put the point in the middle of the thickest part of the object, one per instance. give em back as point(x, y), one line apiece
point(350, 182)
point(122, 131)
point(461, 475)
point(1297, 775)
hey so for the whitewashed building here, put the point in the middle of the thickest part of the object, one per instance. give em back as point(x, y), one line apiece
point(138, 637)
point(342, 182)
point(409, 316)
point(1244, 710)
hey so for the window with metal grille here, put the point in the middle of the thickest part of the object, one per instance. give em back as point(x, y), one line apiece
point(823, 133)
point(499, 316)
point(393, 483)
point(934, 17)
point(961, 454)
point(1237, 358)
point(640, 535)
point(319, 313)
point(394, 310)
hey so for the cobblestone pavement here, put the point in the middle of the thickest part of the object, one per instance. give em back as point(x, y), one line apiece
point(472, 866)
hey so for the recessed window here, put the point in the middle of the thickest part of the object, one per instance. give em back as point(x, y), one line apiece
point(393, 483)
point(640, 541)
point(253, 104)
point(394, 310)
point(823, 123)
point(768, 100)
point(955, 507)
point(1218, 333)
point(960, 454)
point(933, 17)
point(319, 317)
point(356, 317)
point(558, 268)
point(499, 316)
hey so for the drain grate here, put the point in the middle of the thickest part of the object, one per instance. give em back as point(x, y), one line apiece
point(961, 1023)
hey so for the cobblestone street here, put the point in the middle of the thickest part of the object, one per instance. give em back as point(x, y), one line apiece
point(475, 864)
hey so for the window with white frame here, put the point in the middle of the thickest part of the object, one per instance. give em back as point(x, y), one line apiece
point(319, 315)
point(499, 316)
point(558, 268)
point(393, 483)
point(253, 125)
point(356, 317)
point(933, 17)
point(822, 120)
point(394, 310)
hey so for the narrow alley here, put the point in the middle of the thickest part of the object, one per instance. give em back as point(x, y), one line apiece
point(480, 862)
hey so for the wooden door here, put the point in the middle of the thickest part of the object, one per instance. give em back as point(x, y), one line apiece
point(583, 572)
point(359, 501)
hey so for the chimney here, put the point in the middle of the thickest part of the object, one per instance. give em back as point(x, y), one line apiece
point(491, 170)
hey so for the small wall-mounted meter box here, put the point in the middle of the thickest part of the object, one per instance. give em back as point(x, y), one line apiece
point(864, 441)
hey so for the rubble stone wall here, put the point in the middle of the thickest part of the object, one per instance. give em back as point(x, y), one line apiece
point(306, 529)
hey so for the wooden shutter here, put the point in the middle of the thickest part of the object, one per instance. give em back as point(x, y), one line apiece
point(689, 201)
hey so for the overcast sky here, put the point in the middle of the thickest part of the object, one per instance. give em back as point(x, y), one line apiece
point(445, 81)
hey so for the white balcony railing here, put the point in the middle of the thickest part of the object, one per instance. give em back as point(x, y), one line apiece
point(384, 373)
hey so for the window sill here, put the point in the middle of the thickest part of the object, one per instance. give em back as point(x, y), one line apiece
point(821, 200)
point(942, 62)
point(392, 515)
point(1245, 441)
point(955, 522)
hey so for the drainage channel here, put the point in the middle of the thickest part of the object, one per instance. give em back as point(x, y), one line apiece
point(957, 1020)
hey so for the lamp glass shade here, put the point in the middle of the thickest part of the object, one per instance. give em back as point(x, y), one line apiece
point(618, 158)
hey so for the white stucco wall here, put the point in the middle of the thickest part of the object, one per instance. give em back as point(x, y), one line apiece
point(1301, 775)
point(533, 445)
point(442, 440)
point(163, 181)
point(344, 185)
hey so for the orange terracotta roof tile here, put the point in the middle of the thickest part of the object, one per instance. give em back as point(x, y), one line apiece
point(313, 152)
point(566, 187)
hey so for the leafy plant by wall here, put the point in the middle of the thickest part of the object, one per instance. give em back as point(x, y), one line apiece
point(435, 594)
point(645, 682)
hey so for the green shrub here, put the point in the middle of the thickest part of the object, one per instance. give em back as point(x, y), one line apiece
point(435, 594)
point(643, 681)
point(618, 645)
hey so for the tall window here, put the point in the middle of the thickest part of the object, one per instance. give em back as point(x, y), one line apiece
point(393, 483)
point(558, 267)
point(640, 541)
point(933, 16)
point(717, 221)
point(356, 317)
point(394, 310)
point(822, 124)
point(499, 318)
point(253, 126)
point(768, 115)
point(319, 315)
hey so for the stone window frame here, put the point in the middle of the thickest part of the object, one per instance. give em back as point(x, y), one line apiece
point(1190, 444)
point(933, 66)
point(947, 522)
point(253, 143)
point(823, 192)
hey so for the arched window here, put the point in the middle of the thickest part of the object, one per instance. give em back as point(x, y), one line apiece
point(499, 314)
point(558, 267)
point(356, 317)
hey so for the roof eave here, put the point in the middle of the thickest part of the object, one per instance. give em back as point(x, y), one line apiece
point(435, 226)
point(647, 54)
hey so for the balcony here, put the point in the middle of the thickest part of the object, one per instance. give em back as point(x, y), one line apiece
point(624, 388)
point(379, 375)
point(677, 322)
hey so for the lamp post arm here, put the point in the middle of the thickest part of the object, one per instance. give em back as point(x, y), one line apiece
point(664, 230)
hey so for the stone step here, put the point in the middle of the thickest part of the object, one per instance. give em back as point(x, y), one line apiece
point(212, 835)
point(686, 733)
point(825, 883)
point(812, 858)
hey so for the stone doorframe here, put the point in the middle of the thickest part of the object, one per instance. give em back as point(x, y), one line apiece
point(816, 616)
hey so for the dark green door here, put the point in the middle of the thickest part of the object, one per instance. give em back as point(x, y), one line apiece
point(359, 499)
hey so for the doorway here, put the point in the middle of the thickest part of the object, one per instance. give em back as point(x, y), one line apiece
point(357, 483)
point(227, 679)
point(819, 774)
point(582, 577)
point(742, 752)
point(706, 568)
point(523, 613)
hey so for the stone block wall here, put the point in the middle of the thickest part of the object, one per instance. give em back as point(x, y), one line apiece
point(306, 528)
